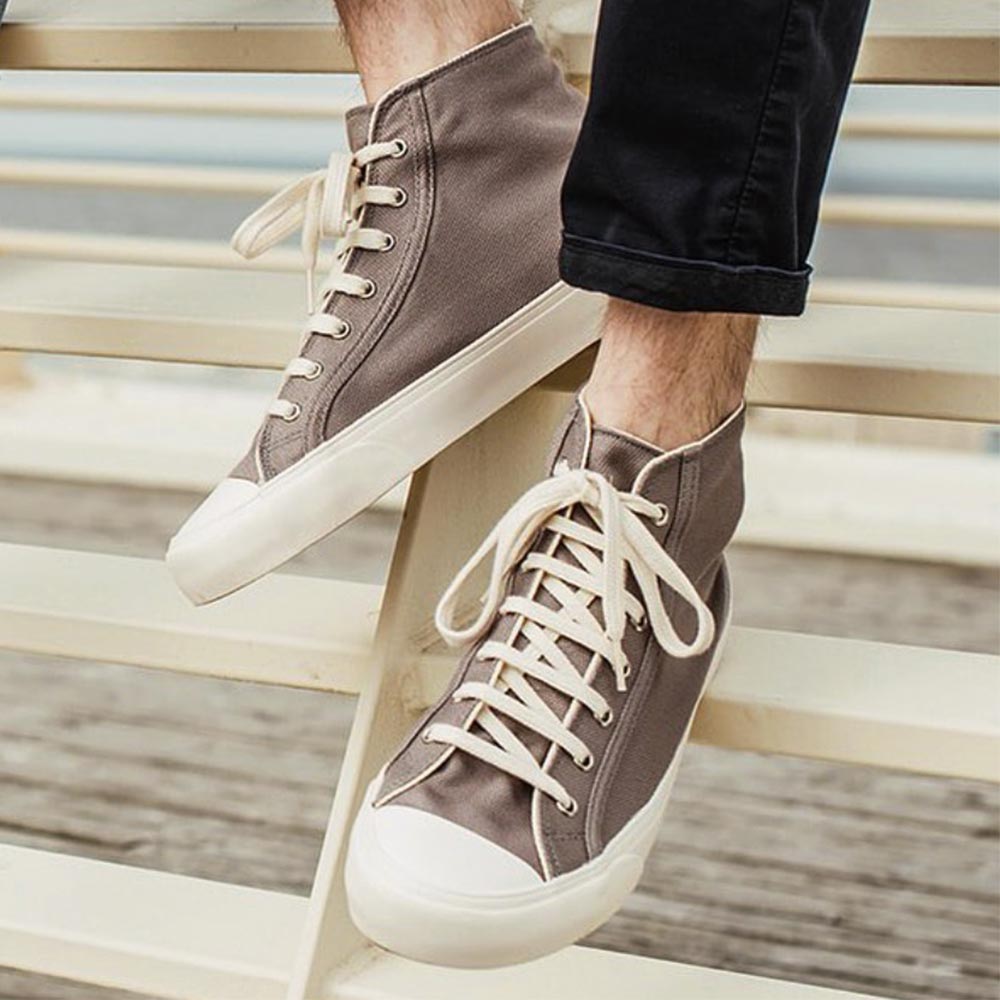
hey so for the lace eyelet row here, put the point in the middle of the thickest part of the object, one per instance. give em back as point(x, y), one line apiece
point(399, 198)
point(367, 290)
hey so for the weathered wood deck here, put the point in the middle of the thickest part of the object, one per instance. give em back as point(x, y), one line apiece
point(843, 876)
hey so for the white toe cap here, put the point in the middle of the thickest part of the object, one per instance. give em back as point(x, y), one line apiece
point(227, 497)
point(446, 856)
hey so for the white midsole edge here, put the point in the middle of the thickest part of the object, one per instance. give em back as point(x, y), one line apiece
point(344, 475)
point(401, 914)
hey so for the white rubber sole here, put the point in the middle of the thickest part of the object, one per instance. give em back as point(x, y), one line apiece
point(348, 473)
point(393, 908)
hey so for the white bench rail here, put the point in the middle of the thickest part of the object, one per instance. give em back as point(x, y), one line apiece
point(908, 41)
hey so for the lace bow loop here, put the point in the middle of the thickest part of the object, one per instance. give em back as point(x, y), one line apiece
point(276, 219)
point(322, 203)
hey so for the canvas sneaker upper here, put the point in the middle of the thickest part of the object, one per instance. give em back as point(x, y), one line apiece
point(441, 304)
point(606, 602)
point(445, 217)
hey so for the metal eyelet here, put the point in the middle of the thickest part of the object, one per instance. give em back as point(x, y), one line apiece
point(401, 148)
point(664, 515)
point(570, 809)
point(584, 763)
point(640, 625)
point(399, 198)
point(425, 736)
point(317, 370)
point(388, 243)
point(370, 289)
point(293, 414)
point(606, 719)
point(343, 331)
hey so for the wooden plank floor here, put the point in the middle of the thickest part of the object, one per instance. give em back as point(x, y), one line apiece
point(836, 875)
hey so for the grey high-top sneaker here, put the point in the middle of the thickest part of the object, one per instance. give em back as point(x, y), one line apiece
point(444, 302)
point(518, 815)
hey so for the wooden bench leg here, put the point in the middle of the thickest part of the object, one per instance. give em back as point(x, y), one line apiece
point(454, 500)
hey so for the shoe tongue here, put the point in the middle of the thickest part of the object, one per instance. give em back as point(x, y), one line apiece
point(358, 121)
point(619, 458)
point(616, 456)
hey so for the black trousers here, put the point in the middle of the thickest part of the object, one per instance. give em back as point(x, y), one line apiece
point(696, 179)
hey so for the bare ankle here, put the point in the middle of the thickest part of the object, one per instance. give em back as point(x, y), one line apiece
point(397, 40)
point(667, 377)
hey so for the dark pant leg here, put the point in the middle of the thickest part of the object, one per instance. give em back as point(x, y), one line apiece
point(696, 179)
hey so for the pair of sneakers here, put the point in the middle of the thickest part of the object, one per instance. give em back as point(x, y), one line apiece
point(518, 815)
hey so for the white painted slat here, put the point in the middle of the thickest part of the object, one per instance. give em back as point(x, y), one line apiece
point(146, 931)
point(142, 432)
point(894, 362)
point(835, 209)
point(875, 499)
point(907, 40)
point(904, 294)
point(931, 42)
point(220, 13)
point(87, 247)
point(845, 358)
point(192, 939)
point(577, 973)
point(927, 710)
point(972, 128)
point(933, 711)
point(188, 179)
point(163, 314)
point(882, 387)
point(155, 251)
point(909, 707)
point(287, 630)
point(938, 213)
point(293, 36)
point(940, 364)
point(932, 505)
point(198, 103)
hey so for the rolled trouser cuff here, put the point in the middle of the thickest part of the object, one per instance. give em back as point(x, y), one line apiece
point(679, 284)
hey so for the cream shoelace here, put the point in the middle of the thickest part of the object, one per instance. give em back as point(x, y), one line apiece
point(326, 204)
point(620, 542)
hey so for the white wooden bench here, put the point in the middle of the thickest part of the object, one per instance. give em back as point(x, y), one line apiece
point(862, 702)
